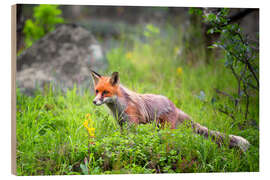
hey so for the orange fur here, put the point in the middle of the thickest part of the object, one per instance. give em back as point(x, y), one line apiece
point(105, 85)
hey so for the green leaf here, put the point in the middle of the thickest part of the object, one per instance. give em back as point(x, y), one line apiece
point(211, 17)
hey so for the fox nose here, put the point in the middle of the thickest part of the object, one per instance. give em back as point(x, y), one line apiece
point(95, 102)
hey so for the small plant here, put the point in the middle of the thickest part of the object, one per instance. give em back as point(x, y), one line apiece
point(89, 126)
point(45, 19)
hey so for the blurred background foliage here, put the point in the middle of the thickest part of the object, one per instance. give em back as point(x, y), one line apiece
point(45, 19)
point(110, 23)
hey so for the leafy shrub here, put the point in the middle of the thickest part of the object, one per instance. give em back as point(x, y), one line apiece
point(45, 19)
point(241, 58)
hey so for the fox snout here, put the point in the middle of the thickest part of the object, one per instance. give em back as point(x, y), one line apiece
point(98, 100)
point(95, 102)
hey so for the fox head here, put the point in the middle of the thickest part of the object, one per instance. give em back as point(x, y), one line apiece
point(106, 87)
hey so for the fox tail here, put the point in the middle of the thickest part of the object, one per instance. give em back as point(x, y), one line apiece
point(218, 137)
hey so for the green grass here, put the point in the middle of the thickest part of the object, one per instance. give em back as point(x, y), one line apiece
point(51, 138)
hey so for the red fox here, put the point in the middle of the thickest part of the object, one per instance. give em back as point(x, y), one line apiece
point(131, 107)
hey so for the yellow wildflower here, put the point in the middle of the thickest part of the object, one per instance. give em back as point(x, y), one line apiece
point(85, 123)
point(129, 55)
point(88, 124)
point(91, 132)
point(179, 71)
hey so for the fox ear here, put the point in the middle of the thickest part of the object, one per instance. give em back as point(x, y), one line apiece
point(114, 80)
point(95, 76)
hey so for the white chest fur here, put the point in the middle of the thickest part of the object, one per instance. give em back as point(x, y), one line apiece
point(118, 107)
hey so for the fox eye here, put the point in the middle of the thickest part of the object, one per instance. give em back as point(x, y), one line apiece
point(96, 91)
point(105, 92)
